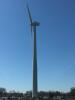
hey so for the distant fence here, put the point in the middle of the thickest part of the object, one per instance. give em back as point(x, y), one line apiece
point(12, 98)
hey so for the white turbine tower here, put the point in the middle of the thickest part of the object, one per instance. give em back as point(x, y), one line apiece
point(33, 25)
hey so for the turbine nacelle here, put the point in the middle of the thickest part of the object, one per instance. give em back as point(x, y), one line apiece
point(35, 23)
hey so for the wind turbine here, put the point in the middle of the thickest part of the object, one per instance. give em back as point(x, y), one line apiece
point(33, 25)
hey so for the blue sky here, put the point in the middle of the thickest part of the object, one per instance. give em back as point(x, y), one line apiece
point(55, 44)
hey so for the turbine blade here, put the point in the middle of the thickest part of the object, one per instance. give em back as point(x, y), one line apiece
point(29, 14)
point(31, 30)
